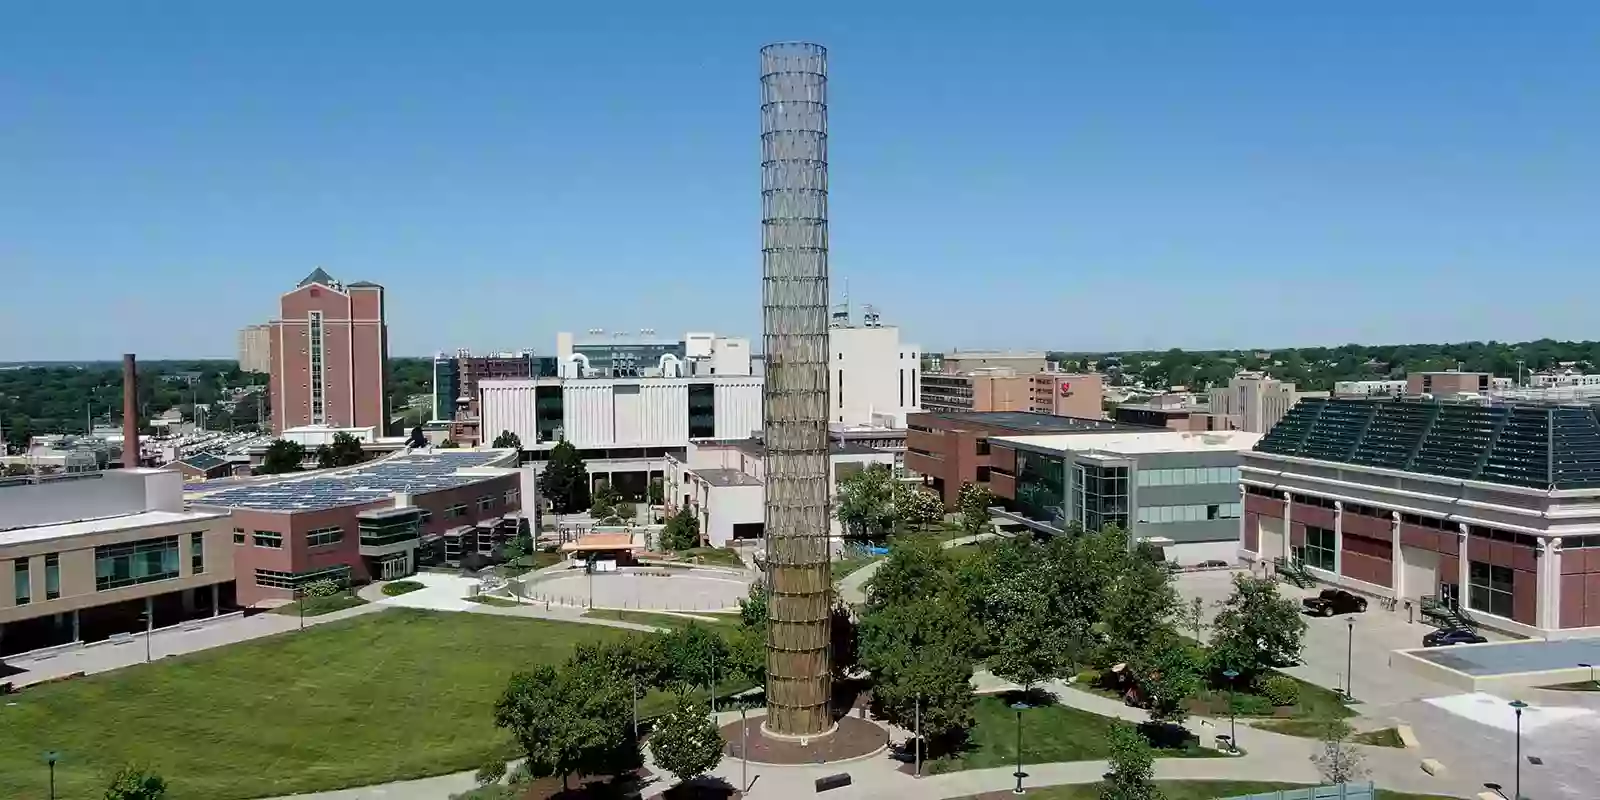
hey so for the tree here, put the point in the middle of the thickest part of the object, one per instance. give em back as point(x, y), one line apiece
point(626, 512)
point(448, 444)
point(681, 532)
point(1138, 607)
point(914, 508)
point(974, 501)
point(1255, 629)
point(865, 503)
point(919, 652)
point(1338, 760)
point(507, 441)
point(697, 656)
point(565, 480)
point(1132, 767)
point(282, 456)
point(346, 450)
point(1028, 643)
point(1191, 617)
point(686, 742)
point(1169, 674)
point(136, 783)
point(604, 503)
point(575, 719)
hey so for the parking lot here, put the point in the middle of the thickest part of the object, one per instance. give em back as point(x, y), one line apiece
point(1331, 644)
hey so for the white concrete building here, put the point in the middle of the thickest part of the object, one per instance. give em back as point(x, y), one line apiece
point(874, 376)
point(722, 482)
point(1254, 403)
point(607, 413)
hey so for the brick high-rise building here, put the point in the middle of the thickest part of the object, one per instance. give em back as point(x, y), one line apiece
point(330, 355)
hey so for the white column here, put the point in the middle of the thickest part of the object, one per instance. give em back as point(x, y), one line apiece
point(1338, 537)
point(1288, 519)
point(1397, 564)
point(1549, 572)
point(1462, 586)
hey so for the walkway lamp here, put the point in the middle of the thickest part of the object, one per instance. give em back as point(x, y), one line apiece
point(1349, 659)
point(1517, 786)
point(51, 758)
point(1019, 707)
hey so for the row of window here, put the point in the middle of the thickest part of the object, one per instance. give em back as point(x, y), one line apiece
point(133, 563)
point(1157, 515)
point(273, 579)
point(1187, 476)
point(52, 579)
point(322, 537)
point(1421, 520)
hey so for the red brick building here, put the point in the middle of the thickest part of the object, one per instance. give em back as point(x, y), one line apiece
point(1488, 509)
point(330, 355)
point(378, 521)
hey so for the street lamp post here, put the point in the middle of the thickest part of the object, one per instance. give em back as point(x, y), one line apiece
point(1517, 786)
point(1233, 732)
point(300, 605)
point(1019, 707)
point(51, 758)
point(149, 627)
point(918, 724)
point(744, 752)
point(1349, 658)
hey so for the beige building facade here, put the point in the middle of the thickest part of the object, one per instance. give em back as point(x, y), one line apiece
point(255, 348)
point(1254, 403)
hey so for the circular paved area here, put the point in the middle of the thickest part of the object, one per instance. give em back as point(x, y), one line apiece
point(676, 590)
point(855, 738)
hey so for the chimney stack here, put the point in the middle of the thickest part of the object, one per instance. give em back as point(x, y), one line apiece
point(130, 412)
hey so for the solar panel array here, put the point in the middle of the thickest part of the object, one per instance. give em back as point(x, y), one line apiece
point(415, 473)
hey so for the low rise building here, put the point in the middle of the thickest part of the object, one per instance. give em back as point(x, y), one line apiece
point(1176, 411)
point(1490, 508)
point(376, 521)
point(951, 449)
point(1381, 388)
point(1174, 490)
point(1253, 402)
point(89, 557)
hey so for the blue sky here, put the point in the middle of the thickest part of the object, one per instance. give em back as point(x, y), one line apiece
point(1068, 175)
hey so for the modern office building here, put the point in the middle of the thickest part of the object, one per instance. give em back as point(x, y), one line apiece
point(1178, 491)
point(330, 355)
point(722, 481)
point(455, 387)
point(1003, 389)
point(1493, 508)
point(255, 348)
point(1253, 402)
point(88, 557)
point(376, 521)
point(1177, 411)
point(951, 449)
point(874, 377)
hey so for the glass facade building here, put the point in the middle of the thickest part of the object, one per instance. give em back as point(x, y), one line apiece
point(133, 563)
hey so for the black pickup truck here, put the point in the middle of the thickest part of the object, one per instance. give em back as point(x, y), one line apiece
point(1334, 601)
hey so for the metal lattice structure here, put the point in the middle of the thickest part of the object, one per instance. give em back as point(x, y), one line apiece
point(794, 305)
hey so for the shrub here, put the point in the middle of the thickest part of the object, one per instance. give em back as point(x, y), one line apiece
point(1280, 690)
point(401, 587)
point(1089, 677)
point(491, 772)
point(322, 588)
point(1249, 705)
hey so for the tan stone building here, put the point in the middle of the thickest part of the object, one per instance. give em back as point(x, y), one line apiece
point(1003, 389)
point(255, 348)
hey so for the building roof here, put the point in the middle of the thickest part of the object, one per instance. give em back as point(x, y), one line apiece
point(1538, 446)
point(1139, 442)
point(120, 522)
point(317, 276)
point(603, 541)
point(378, 480)
point(201, 461)
point(727, 477)
point(1029, 422)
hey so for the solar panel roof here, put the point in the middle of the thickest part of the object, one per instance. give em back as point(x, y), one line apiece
point(1539, 446)
point(414, 473)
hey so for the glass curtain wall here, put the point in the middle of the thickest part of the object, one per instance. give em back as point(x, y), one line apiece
point(1041, 487)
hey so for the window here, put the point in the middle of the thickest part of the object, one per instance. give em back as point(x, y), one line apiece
point(24, 592)
point(197, 553)
point(273, 579)
point(1157, 515)
point(841, 385)
point(318, 373)
point(982, 475)
point(238, 535)
point(1188, 476)
point(426, 516)
point(1320, 548)
point(133, 563)
point(1489, 588)
point(512, 496)
point(269, 539)
point(456, 511)
point(981, 447)
point(52, 576)
point(902, 383)
point(322, 537)
point(485, 503)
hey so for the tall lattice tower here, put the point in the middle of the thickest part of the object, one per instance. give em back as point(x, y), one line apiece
point(794, 309)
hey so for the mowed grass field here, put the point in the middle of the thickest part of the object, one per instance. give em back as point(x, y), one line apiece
point(389, 696)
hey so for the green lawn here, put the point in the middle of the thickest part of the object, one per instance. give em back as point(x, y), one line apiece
point(1196, 790)
point(1049, 734)
point(721, 622)
point(491, 600)
point(379, 697)
point(317, 606)
point(1315, 703)
point(713, 556)
point(1318, 728)
point(845, 566)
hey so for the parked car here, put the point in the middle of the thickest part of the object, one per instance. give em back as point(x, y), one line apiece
point(1445, 637)
point(1335, 601)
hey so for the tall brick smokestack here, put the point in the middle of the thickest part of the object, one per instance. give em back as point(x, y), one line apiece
point(130, 411)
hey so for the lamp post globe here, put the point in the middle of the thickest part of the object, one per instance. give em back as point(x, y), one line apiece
point(1019, 707)
point(1516, 791)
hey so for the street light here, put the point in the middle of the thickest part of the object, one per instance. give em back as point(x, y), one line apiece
point(51, 758)
point(744, 752)
point(1233, 732)
point(1517, 786)
point(1349, 659)
point(918, 732)
point(1019, 707)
